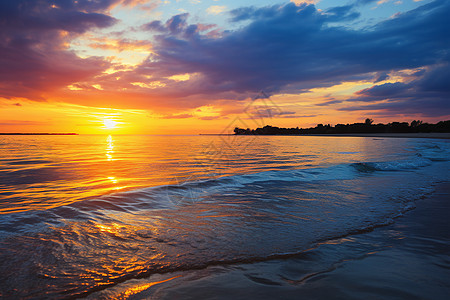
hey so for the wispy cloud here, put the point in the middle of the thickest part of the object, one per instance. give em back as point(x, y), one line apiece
point(427, 95)
point(32, 45)
point(21, 123)
point(216, 9)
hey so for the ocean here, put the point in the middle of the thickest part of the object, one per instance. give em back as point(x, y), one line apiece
point(83, 215)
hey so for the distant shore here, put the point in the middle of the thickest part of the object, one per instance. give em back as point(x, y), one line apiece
point(393, 129)
point(36, 133)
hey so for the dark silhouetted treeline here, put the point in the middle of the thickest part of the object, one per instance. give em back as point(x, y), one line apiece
point(366, 127)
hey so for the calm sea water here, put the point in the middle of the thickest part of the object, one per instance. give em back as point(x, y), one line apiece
point(79, 214)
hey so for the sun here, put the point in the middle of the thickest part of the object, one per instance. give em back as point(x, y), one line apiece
point(109, 124)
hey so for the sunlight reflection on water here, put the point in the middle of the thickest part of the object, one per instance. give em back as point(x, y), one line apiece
point(40, 172)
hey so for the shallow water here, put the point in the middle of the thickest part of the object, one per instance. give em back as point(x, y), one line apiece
point(405, 260)
point(83, 213)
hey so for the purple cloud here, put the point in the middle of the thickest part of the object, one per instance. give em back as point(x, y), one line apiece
point(428, 95)
point(32, 35)
point(291, 48)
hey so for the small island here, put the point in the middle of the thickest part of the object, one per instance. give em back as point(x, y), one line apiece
point(367, 127)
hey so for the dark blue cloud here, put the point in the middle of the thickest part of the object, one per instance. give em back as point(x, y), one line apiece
point(364, 2)
point(434, 83)
point(254, 13)
point(428, 95)
point(342, 13)
point(382, 77)
point(333, 14)
point(31, 44)
point(155, 26)
point(383, 90)
point(291, 48)
point(35, 15)
point(330, 102)
point(427, 107)
point(175, 25)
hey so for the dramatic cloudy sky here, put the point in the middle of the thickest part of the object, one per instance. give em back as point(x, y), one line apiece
point(190, 66)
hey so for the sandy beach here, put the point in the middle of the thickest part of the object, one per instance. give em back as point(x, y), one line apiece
point(408, 259)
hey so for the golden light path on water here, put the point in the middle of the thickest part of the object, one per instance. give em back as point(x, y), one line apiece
point(57, 171)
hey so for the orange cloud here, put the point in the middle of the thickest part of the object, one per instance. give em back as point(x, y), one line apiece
point(298, 2)
point(120, 45)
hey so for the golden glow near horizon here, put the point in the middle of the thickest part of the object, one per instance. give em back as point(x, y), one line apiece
point(29, 116)
point(168, 67)
point(297, 110)
point(302, 110)
point(109, 124)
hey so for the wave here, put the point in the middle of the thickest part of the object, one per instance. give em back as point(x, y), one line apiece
point(167, 196)
point(188, 192)
point(399, 165)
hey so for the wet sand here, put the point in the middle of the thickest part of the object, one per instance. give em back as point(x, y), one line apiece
point(409, 259)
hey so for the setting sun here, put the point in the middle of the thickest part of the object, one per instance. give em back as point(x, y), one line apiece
point(109, 124)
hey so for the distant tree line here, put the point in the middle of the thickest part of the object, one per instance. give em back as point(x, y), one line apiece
point(366, 127)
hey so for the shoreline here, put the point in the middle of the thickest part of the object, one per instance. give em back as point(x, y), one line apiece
point(431, 135)
point(407, 259)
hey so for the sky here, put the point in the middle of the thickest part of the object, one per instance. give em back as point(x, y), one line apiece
point(207, 66)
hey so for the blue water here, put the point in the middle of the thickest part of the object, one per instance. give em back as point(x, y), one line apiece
point(84, 213)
